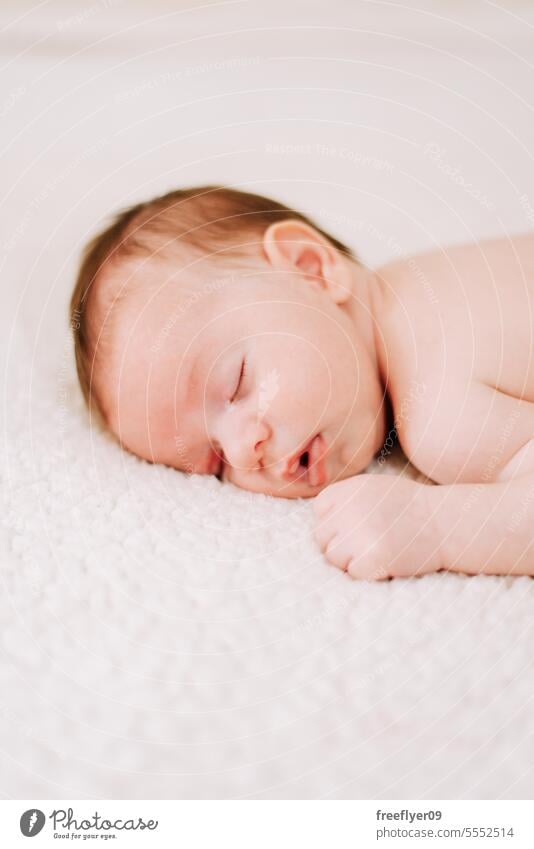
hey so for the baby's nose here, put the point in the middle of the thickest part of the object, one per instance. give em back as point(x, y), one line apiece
point(246, 445)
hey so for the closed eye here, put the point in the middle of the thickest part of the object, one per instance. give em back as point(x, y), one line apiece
point(240, 379)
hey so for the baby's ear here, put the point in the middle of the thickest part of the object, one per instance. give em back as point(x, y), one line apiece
point(292, 245)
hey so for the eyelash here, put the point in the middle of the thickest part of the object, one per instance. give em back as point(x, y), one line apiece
point(242, 375)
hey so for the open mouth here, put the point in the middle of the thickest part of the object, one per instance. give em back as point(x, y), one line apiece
point(310, 464)
point(304, 459)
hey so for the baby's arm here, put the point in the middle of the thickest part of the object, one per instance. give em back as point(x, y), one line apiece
point(380, 526)
point(487, 528)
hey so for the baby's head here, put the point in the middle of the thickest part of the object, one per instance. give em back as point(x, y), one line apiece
point(220, 332)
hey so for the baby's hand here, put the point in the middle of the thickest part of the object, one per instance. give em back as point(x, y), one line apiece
point(376, 527)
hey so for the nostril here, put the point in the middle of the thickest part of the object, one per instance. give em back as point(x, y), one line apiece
point(304, 459)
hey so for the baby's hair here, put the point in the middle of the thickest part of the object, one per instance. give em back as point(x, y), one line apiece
point(210, 220)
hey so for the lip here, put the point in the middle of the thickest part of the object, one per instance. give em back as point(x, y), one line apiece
point(315, 473)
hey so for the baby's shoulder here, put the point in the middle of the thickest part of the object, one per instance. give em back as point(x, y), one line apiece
point(440, 310)
point(425, 411)
point(454, 276)
point(459, 430)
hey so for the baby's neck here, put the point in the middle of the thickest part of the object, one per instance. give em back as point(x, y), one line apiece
point(365, 308)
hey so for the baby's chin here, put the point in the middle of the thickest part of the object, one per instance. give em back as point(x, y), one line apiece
point(289, 493)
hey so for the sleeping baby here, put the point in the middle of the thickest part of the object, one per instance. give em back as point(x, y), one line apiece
point(220, 332)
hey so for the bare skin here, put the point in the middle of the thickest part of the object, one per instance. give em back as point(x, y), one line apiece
point(460, 324)
point(439, 345)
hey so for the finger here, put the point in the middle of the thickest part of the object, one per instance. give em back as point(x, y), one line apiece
point(336, 555)
point(323, 533)
point(322, 503)
point(367, 569)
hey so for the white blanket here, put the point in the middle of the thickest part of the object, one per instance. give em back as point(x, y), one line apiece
point(172, 637)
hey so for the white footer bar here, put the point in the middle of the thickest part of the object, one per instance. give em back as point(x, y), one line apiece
point(267, 824)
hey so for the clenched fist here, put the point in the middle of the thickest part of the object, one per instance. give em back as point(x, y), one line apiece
point(376, 527)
